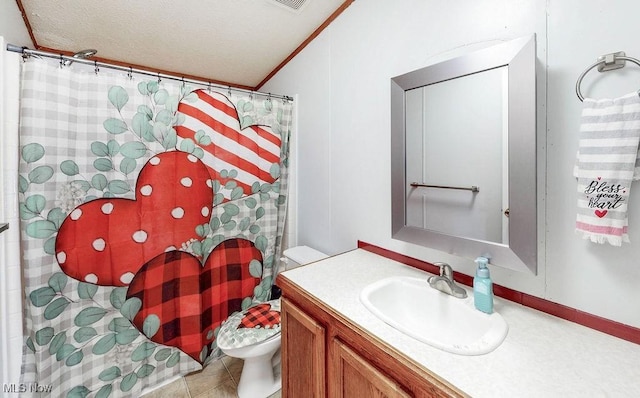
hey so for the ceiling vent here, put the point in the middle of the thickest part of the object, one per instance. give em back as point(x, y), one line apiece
point(291, 5)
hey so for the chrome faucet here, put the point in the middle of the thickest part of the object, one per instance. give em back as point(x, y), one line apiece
point(444, 282)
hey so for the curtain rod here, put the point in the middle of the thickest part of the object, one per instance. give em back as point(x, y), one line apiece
point(25, 51)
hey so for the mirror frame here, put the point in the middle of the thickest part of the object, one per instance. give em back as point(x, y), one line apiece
point(519, 56)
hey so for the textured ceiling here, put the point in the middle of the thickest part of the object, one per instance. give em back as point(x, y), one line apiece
point(238, 42)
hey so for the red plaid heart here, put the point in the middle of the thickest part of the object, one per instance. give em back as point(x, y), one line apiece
point(260, 316)
point(105, 241)
point(251, 151)
point(190, 300)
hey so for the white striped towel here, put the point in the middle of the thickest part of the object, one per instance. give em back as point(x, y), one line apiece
point(605, 165)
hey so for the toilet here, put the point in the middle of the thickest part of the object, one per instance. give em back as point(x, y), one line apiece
point(254, 336)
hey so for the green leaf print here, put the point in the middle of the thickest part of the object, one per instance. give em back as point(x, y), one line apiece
point(255, 268)
point(231, 209)
point(261, 243)
point(118, 187)
point(87, 290)
point(236, 193)
point(84, 334)
point(250, 203)
point(128, 165)
point(119, 324)
point(55, 308)
point(105, 344)
point(89, 315)
point(118, 297)
point(203, 353)
point(23, 184)
point(128, 382)
point(41, 229)
point(145, 110)
point(58, 281)
point(32, 152)
point(131, 307)
point(187, 145)
point(78, 392)
point(103, 164)
point(118, 97)
point(246, 303)
point(113, 147)
point(145, 370)
point(104, 391)
point(35, 203)
point(244, 224)
point(99, 148)
point(274, 171)
point(110, 374)
point(26, 214)
point(160, 97)
point(162, 354)
point(115, 126)
point(74, 358)
point(64, 351)
point(152, 87)
point(171, 139)
point(127, 336)
point(173, 359)
point(44, 335)
point(42, 296)
point(57, 342)
point(40, 174)
point(133, 149)
point(56, 216)
point(29, 343)
point(99, 182)
point(143, 351)
point(164, 117)
point(69, 167)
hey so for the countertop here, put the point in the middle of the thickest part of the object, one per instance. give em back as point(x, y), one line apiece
point(542, 355)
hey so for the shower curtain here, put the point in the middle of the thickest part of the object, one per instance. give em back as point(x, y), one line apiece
point(150, 212)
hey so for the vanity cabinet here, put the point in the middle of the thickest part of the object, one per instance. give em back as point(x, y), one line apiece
point(326, 355)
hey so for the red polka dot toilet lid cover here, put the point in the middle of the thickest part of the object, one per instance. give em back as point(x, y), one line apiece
point(251, 326)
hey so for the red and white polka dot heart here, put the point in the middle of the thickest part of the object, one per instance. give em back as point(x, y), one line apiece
point(106, 241)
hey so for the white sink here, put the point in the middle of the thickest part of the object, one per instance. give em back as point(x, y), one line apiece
point(451, 324)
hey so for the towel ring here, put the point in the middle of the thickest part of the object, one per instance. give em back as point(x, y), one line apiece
point(605, 63)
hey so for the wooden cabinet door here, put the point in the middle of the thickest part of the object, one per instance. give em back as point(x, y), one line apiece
point(303, 354)
point(351, 376)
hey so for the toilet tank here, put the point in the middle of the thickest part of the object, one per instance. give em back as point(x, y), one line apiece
point(301, 255)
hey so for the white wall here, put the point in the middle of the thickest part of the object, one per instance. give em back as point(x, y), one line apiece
point(12, 27)
point(13, 31)
point(342, 80)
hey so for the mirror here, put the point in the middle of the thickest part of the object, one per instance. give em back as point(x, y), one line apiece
point(463, 155)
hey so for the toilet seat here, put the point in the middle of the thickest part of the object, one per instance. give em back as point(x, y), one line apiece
point(255, 325)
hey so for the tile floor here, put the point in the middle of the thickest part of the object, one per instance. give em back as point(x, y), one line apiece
point(218, 380)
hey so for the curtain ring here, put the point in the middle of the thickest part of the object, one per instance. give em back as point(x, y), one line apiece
point(209, 87)
point(96, 69)
point(159, 79)
point(183, 83)
point(130, 73)
point(269, 97)
point(61, 61)
point(229, 92)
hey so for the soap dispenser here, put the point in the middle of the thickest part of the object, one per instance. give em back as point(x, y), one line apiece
point(483, 287)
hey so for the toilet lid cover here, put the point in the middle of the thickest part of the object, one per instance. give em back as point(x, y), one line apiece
point(251, 326)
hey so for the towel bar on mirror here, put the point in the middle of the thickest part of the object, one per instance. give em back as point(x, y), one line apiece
point(606, 63)
point(422, 185)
